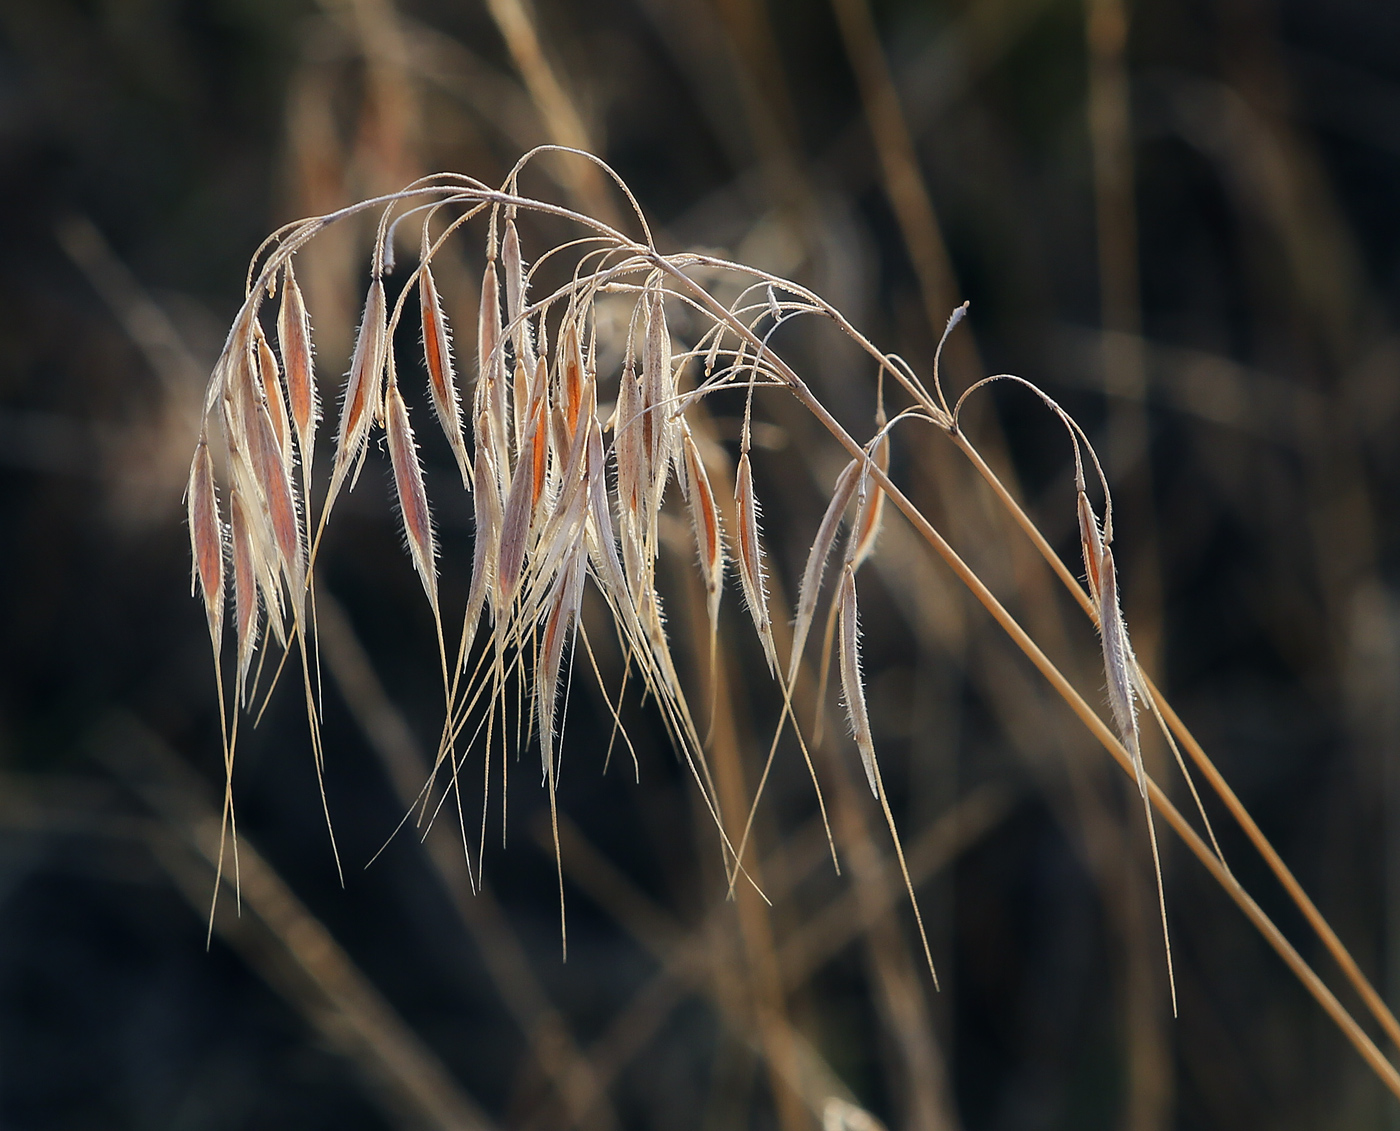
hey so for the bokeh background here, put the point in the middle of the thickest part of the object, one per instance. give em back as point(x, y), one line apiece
point(1179, 218)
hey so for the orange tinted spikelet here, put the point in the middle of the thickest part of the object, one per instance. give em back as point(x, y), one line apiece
point(437, 355)
point(294, 340)
point(361, 388)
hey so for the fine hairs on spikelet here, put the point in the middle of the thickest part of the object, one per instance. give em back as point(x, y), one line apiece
point(567, 496)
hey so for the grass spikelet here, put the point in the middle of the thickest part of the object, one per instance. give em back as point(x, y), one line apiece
point(872, 505)
point(486, 504)
point(750, 554)
point(658, 393)
point(275, 485)
point(294, 340)
point(852, 687)
point(207, 540)
point(514, 268)
point(709, 533)
point(413, 497)
point(270, 381)
point(245, 588)
point(437, 355)
point(816, 563)
point(361, 390)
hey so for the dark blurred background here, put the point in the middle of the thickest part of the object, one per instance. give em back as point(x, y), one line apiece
point(1179, 218)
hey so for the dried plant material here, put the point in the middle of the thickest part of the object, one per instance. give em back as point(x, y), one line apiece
point(275, 486)
point(549, 513)
point(245, 587)
point(571, 357)
point(564, 604)
point(1091, 542)
point(359, 407)
point(437, 356)
point(1118, 663)
point(658, 395)
point(852, 687)
point(811, 585)
point(413, 497)
point(294, 340)
point(872, 505)
point(515, 523)
point(750, 554)
point(207, 540)
point(709, 534)
point(514, 268)
point(487, 513)
point(270, 382)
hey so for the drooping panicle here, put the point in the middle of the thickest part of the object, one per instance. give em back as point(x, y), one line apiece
point(413, 497)
point(437, 355)
point(294, 340)
point(852, 685)
point(207, 539)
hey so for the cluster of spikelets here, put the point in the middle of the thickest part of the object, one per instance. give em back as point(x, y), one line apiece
point(561, 494)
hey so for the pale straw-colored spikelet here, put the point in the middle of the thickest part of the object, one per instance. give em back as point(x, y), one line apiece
point(514, 268)
point(810, 587)
point(709, 532)
point(852, 686)
point(207, 539)
point(486, 504)
point(245, 586)
point(750, 556)
point(658, 395)
point(412, 495)
point(294, 340)
point(437, 356)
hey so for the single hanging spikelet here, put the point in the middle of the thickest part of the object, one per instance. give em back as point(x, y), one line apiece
point(816, 562)
point(245, 586)
point(852, 687)
point(658, 398)
point(361, 390)
point(413, 498)
point(207, 540)
point(294, 340)
point(270, 381)
point(709, 534)
point(751, 560)
point(872, 505)
point(1118, 665)
point(437, 355)
point(514, 268)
